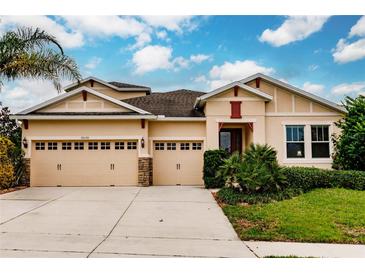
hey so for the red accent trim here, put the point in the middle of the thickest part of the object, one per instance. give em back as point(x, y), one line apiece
point(258, 82)
point(142, 123)
point(235, 91)
point(92, 83)
point(220, 125)
point(236, 109)
point(26, 124)
point(84, 95)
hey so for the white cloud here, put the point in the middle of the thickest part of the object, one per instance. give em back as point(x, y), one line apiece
point(348, 52)
point(25, 93)
point(200, 79)
point(171, 23)
point(104, 26)
point(142, 40)
point(152, 58)
point(67, 38)
point(313, 67)
point(155, 57)
point(161, 34)
point(93, 62)
point(349, 88)
point(359, 28)
point(294, 28)
point(229, 72)
point(180, 62)
point(199, 58)
point(313, 88)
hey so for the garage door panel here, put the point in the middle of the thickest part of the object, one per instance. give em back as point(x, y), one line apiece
point(183, 166)
point(84, 167)
point(165, 167)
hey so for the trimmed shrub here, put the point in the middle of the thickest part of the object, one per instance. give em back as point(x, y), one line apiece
point(306, 178)
point(7, 177)
point(234, 196)
point(213, 159)
point(260, 171)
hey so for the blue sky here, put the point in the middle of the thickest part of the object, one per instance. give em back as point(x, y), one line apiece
point(323, 55)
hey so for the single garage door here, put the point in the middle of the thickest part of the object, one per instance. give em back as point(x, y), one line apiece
point(178, 163)
point(84, 163)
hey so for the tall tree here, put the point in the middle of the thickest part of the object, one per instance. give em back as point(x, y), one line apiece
point(350, 144)
point(32, 53)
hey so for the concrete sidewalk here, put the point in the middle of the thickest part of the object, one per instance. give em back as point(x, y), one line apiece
point(284, 249)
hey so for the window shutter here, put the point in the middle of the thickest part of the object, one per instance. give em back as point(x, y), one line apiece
point(236, 110)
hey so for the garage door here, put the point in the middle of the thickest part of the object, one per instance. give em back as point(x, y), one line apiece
point(178, 163)
point(81, 163)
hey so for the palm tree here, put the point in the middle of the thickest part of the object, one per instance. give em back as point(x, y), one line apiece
point(32, 53)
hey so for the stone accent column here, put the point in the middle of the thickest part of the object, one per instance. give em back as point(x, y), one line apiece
point(27, 170)
point(145, 171)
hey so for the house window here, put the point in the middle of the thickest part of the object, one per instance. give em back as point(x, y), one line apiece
point(295, 142)
point(93, 145)
point(159, 146)
point(79, 145)
point(40, 146)
point(184, 146)
point(132, 145)
point(105, 145)
point(171, 146)
point(66, 146)
point(236, 109)
point(52, 146)
point(320, 141)
point(119, 145)
point(197, 146)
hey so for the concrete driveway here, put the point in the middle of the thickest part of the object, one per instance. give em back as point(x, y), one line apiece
point(115, 222)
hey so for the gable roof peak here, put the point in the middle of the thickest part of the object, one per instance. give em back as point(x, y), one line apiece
point(118, 86)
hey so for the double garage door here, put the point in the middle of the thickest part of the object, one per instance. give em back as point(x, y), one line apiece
point(84, 163)
point(178, 163)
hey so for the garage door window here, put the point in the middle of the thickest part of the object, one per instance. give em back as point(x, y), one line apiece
point(52, 146)
point(132, 145)
point(159, 146)
point(93, 145)
point(40, 146)
point(184, 146)
point(171, 146)
point(79, 146)
point(197, 146)
point(119, 145)
point(105, 145)
point(66, 146)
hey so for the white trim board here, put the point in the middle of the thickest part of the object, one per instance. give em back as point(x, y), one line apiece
point(304, 114)
point(79, 90)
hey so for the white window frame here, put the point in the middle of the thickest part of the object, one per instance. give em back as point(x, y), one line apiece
point(321, 142)
point(307, 142)
point(295, 142)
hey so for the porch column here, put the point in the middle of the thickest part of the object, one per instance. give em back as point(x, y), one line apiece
point(259, 131)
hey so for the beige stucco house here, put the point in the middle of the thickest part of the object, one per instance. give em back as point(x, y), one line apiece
point(108, 133)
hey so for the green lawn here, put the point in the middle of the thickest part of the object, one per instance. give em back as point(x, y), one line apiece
point(322, 215)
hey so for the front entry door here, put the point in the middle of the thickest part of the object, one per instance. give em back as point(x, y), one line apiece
point(230, 139)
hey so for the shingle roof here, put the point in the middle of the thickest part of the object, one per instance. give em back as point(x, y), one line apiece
point(178, 103)
point(125, 85)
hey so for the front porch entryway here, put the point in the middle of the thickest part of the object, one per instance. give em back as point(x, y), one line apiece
point(235, 136)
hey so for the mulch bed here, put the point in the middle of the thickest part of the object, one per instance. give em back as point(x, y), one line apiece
point(7, 190)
